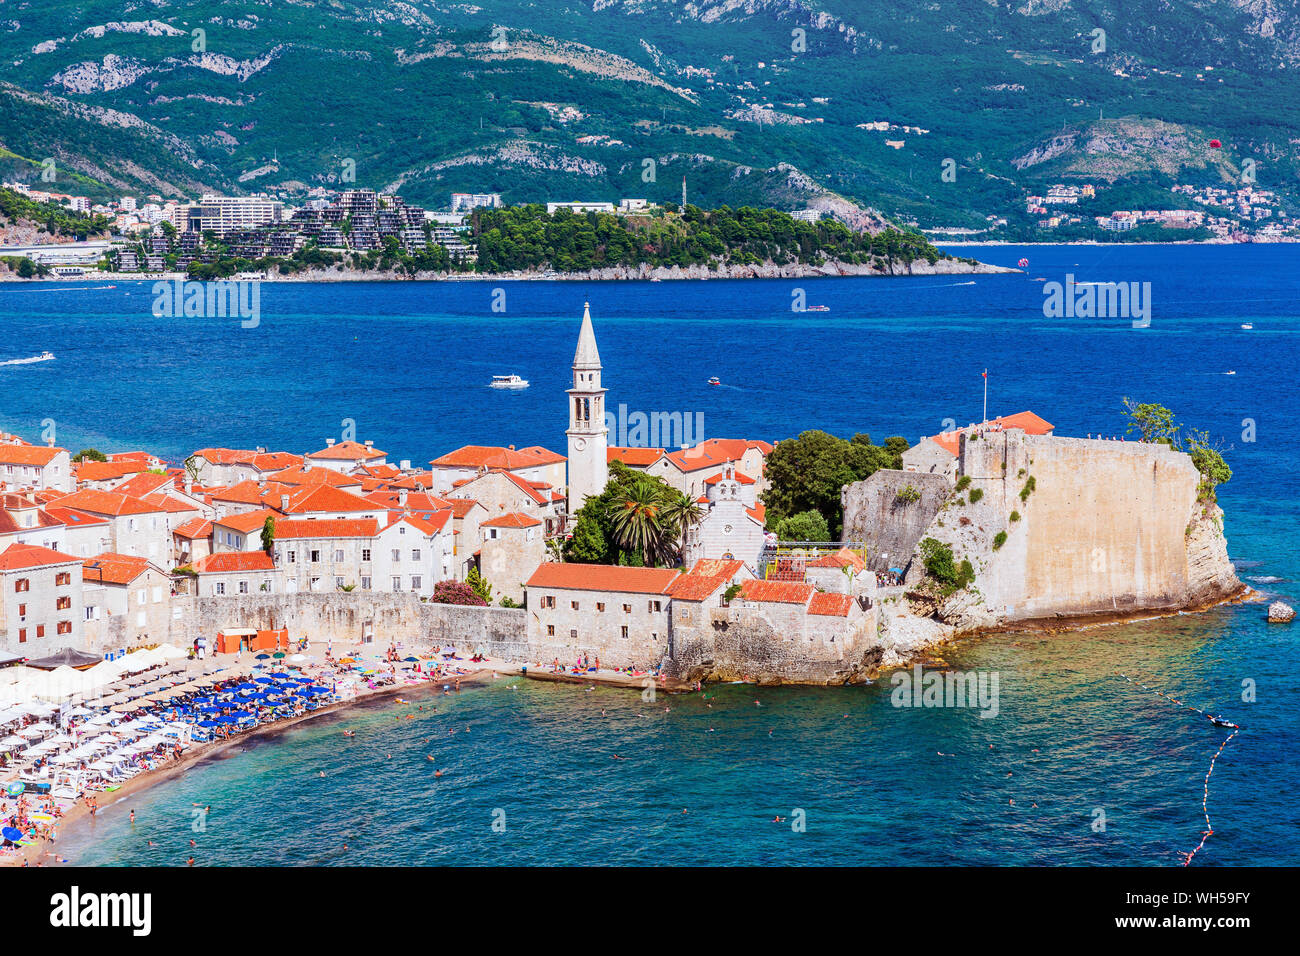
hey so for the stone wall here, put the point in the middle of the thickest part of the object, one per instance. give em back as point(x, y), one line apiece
point(346, 616)
point(775, 644)
point(888, 527)
point(1111, 528)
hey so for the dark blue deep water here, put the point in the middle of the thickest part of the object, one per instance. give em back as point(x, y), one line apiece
point(408, 362)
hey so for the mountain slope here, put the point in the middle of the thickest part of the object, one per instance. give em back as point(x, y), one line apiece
point(753, 101)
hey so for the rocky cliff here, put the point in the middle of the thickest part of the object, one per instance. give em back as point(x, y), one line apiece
point(1057, 529)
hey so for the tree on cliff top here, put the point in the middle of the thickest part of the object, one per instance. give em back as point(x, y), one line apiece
point(1156, 424)
point(808, 472)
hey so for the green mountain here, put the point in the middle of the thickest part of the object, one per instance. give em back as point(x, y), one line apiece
point(758, 102)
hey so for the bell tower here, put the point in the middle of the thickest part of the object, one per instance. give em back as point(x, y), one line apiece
point(588, 437)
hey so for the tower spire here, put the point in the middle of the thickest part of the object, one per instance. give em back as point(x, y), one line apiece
point(587, 356)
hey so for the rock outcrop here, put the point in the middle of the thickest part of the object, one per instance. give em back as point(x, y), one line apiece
point(1280, 613)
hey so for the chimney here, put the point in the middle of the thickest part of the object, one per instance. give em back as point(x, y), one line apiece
point(261, 450)
point(284, 503)
point(261, 482)
point(50, 441)
point(329, 443)
point(512, 447)
point(189, 485)
point(401, 500)
point(405, 464)
point(369, 443)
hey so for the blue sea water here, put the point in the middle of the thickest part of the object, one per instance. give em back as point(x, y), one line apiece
point(409, 363)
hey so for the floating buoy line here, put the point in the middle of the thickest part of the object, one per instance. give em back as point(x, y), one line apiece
point(1218, 721)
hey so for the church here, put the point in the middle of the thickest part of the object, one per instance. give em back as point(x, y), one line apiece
point(588, 434)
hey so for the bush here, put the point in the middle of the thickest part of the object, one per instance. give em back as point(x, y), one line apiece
point(999, 540)
point(907, 495)
point(963, 482)
point(456, 592)
point(805, 526)
point(941, 566)
point(975, 495)
point(1028, 490)
point(1015, 516)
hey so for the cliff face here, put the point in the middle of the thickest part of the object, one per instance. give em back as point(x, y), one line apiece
point(889, 512)
point(1105, 529)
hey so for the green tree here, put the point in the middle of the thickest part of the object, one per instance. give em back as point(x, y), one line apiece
point(268, 534)
point(807, 474)
point(479, 585)
point(635, 517)
point(805, 526)
point(1154, 423)
point(90, 454)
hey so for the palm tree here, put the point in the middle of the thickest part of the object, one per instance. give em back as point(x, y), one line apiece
point(679, 515)
point(635, 517)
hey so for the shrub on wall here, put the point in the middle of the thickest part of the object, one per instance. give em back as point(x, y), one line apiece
point(976, 494)
point(1028, 490)
point(999, 540)
point(1015, 516)
point(963, 482)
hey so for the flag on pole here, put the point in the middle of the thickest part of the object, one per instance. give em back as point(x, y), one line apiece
point(986, 373)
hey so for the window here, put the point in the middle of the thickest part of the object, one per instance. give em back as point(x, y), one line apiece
point(365, 554)
point(63, 603)
point(315, 555)
point(243, 587)
point(40, 630)
point(627, 609)
point(22, 610)
point(65, 627)
point(397, 555)
point(157, 594)
point(415, 582)
point(600, 605)
point(402, 529)
point(139, 596)
point(365, 582)
point(22, 635)
point(548, 601)
point(573, 635)
point(415, 554)
point(338, 582)
point(654, 606)
point(573, 604)
point(397, 584)
point(314, 584)
point(625, 632)
point(293, 557)
point(139, 619)
point(90, 612)
point(22, 584)
point(550, 630)
point(338, 555)
point(219, 587)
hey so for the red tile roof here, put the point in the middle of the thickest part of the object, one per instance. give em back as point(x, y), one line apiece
point(194, 528)
point(415, 500)
point(492, 456)
point(246, 522)
point(317, 498)
point(778, 592)
point(840, 559)
point(144, 483)
point(830, 605)
point(20, 557)
point(226, 561)
point(427, 522)
point(602, 577)
point(28, 454)
point(515, 519)
point(714, 452)
point(165, 502)
point(318, 475)
point(696, 587)
point(73, 518)
point(740, 477)
point(287, 529)
point(348, 451)
point(107, 503)
point(110, 568)
point(718, 567)
point(460, 507)
point(1031, 424)
point(107, 470)
point(633, 457)
point(226, 456)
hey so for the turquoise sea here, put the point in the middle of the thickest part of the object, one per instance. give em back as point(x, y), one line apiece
point(576, 776)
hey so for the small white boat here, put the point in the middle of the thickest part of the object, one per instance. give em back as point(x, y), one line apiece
point(46, 356)
point(508, 381)
point(1247, 325)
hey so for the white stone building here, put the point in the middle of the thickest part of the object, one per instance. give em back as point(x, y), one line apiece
point(587, 432)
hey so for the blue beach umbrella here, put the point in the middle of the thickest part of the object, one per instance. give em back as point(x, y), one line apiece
point(263, 680)
point(12, 834)
point(207, 723)
point(263, 657)
point(14, 789)
point(280, 675)
point(226, 719)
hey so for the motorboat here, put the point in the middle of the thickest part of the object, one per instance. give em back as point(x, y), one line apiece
point(46, 356)
point(714, 381)
point(508, 381)
point(818, 308)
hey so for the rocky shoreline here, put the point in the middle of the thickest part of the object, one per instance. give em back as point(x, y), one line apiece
point(642, 273)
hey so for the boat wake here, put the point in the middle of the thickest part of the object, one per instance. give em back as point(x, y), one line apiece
point(43, 357)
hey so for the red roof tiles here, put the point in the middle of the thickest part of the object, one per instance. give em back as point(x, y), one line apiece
point(602, 577)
